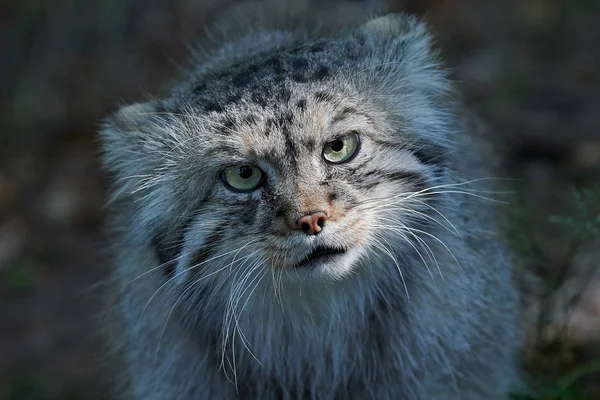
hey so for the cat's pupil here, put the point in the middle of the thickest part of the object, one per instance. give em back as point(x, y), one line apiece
point(336, 145)
point(245, 172)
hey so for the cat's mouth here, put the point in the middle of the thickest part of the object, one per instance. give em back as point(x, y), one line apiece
point(321, 254)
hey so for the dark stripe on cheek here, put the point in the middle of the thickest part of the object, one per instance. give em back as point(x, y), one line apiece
point(168, 250)
point(402, 176)
point(212, 241)
point(338, 118)
point(370, 179)
point(367, 186)
point(430, 154)
point(247, 213)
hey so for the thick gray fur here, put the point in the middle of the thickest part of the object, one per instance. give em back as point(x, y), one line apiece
point(208, 302)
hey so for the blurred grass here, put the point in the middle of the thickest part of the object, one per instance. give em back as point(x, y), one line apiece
point(558, 370)
point(25, 388)
point(20, 277)
point(34, 387)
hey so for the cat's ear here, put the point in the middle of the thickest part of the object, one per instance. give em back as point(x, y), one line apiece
point(405, 70)
point(403, 49)
point(123, 135)
point(132, 142)
point(401, 33)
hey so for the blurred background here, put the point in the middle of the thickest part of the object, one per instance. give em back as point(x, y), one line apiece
point(530, 68)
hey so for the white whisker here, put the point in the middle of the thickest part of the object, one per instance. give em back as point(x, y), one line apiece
point(390, 253)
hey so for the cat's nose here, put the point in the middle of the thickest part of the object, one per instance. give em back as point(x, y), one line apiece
point(312, 223)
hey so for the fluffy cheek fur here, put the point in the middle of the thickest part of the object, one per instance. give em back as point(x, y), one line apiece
point(234, 281)
point(247, 241)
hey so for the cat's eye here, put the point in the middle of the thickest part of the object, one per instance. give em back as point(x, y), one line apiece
point(242, 178)
point(342, 149)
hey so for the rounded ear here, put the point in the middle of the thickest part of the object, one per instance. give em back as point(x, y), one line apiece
point(404, 47)
point(129, 117)
point(406, 73)
point(123, 133)
point(401, 32)
point(132, 142)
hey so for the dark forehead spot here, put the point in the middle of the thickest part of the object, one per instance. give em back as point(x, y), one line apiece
point(284, 122)
point(284, 94)
point(258, 98)
point(317, 47)
point(268, 126)
point(252, 68)
point(297, 49)
point(321, 73)
point(201, 87)
point(227, 123)
point(300, 63)
point(323, 96)
point(301, 104)
point(250, 119)
point(332, 196)
point(285, 119)
point(299, 76)
point(276, 65)
point(241, 80)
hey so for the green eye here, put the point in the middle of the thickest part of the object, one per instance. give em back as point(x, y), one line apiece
point(341, 149)
point(242, 178)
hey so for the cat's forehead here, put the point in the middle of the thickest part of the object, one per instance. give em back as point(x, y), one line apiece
point(279, 103)
point(271, 108)
point(292, 128)
point(268, 79)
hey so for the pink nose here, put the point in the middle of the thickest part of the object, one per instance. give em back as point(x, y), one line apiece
point(312, 223)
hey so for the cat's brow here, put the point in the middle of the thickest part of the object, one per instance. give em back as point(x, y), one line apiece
point(345, 113)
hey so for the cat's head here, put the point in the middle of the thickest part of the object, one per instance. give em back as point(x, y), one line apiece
point(306, 158)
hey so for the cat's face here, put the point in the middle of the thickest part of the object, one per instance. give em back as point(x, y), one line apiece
point(299, 164)
point(309, 187)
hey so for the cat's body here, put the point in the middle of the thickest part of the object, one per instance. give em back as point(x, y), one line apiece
point(215, 297)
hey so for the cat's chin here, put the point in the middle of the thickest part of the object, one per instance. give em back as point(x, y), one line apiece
point(328, 264)
point(321, 255)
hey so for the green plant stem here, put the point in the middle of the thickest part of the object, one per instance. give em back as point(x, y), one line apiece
point(558, 281)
